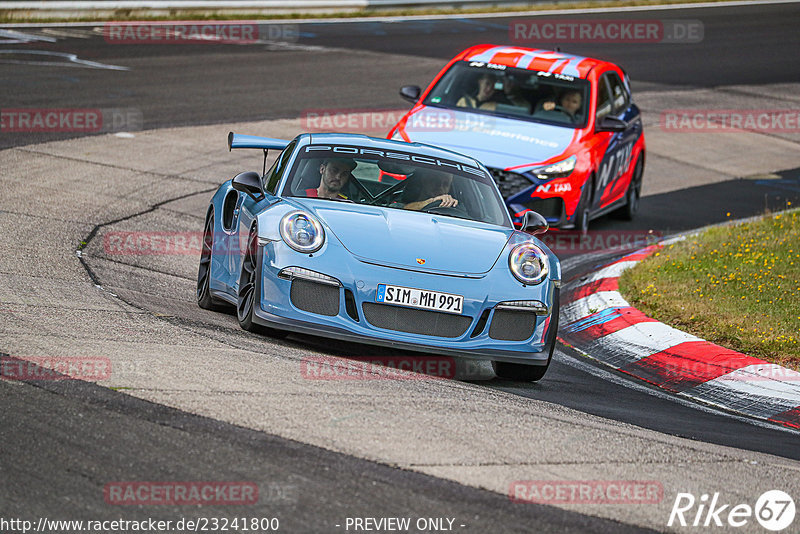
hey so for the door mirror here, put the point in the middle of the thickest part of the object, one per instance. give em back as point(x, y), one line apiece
point(250, 184)
point(533, 223)
point(410, 93)
point(611, 124)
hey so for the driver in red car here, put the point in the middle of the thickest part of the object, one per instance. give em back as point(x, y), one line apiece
point(570, 103)
point(334, 176)
point(427, 187)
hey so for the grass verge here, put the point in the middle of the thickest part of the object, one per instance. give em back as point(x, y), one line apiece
point(737, 286)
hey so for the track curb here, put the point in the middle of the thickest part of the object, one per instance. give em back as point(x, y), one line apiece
point(599, 323)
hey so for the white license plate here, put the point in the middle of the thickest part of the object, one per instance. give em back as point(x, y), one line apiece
point(419, 298)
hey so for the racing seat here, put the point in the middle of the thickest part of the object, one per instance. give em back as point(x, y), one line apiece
point(308, 178)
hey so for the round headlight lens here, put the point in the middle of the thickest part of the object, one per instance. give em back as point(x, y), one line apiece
point(302, 232)
point(528, 263)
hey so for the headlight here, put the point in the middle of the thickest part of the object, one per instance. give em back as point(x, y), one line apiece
point(528, 263)
point(302, 232)
point(560, 169)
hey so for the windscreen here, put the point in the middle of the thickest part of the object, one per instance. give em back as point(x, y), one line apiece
point(396, 180)
point(491, 89)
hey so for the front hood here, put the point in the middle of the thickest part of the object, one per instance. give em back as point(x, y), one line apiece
point(400, 238)
point(494, 141)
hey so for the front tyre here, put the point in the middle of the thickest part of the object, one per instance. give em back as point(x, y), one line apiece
point(519, 371)
point(634, 193)
point(582, 211)
point(532, 373)
point(249, 289)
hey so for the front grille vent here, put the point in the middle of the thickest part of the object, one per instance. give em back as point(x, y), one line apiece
point(425, 322)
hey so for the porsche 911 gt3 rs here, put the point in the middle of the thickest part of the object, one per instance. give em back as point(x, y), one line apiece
point(381, 242)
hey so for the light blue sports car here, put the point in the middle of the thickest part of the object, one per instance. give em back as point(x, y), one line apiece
point(381, 242)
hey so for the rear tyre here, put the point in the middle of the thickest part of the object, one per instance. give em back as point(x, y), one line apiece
point(204, 298)
point(249, 290)
point(531, 373)
point(632, 196)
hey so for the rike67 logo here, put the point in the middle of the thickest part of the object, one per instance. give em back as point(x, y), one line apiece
point(774, 510)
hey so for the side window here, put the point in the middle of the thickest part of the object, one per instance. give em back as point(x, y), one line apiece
point(273, 176)
point(618, 92)
point(603, 98)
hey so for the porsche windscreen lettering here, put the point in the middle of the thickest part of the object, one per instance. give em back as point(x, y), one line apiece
point(344, 151)
point(376, 176)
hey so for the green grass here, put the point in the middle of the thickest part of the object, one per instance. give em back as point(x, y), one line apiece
point(737, 286)
point(8, 16)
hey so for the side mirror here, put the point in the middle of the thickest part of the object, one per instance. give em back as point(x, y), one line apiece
point(533, 223)
point(410, 93)
point(611, 124)
point(250, 184)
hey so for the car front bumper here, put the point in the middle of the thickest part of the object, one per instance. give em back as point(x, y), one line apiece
point(349, 311)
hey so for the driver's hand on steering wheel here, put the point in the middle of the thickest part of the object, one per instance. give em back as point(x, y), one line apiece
point(549, 106)
point(447, 201)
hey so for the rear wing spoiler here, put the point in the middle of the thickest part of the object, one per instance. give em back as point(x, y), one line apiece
point(253, 141)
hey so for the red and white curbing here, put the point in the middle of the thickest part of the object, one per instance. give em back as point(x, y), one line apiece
point(601, 324)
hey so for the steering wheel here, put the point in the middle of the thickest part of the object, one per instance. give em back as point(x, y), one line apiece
point(560, 109)
point(436, 208)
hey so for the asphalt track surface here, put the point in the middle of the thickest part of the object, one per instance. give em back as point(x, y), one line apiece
point(112, 436)
point(208, 84)
point(116, 437)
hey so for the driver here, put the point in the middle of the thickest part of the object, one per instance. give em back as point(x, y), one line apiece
point(428, 186)
point(334, 175)
point(570, 102)
point(486, 95)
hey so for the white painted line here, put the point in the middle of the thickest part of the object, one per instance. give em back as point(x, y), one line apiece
point(763, 379)
point(614, 270)
point(592, 304)
point(15, 37)
point(642, 340)
point(637, 385)
point(768, 372)
point(70, 60)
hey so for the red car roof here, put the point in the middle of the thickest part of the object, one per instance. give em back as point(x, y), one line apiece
point(532, 59)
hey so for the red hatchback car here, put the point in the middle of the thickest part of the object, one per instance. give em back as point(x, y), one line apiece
point(560, 133)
